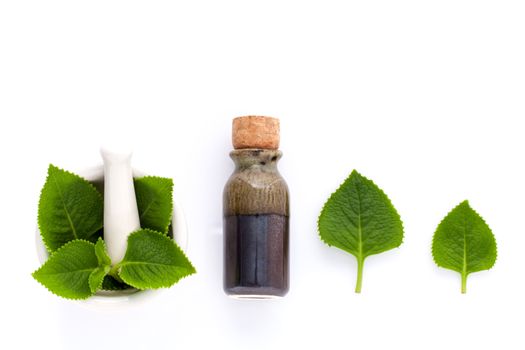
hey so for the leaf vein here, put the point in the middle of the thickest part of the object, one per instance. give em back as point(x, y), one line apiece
point(65, 207)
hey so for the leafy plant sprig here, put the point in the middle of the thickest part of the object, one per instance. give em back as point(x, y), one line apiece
point(360, 219)
point(70, 218)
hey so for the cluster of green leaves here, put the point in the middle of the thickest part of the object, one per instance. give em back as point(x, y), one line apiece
point(70, 219)
point(360, 219)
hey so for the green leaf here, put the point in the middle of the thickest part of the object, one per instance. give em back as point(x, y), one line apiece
point(360, 219)
point(67, 271)
point(464, 243)
point(102, 254)
point(104, 262)
point(97, 277)
point(153, 261)
point(155, 202)
point(69, 208)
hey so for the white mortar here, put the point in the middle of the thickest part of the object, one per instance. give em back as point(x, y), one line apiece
point(180, 235)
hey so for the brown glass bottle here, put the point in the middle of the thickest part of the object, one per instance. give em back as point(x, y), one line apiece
point(256, 214)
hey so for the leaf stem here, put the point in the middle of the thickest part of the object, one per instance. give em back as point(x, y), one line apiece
point(114, 272)
point(359, 282)
point(463, 283)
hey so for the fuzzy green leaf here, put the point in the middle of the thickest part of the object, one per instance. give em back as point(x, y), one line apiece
point(360, 219)
point(102, 254)
point(69, 208)
point(153, 261)
point(155, 202)
point(97, 277)
point(67, 271)
point(104, 262)
point(464, 243)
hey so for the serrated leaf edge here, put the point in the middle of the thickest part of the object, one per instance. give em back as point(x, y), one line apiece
point(192, 271)
point(51, 166)
point(99, 287)
point(466, 201)
point(166, 228)
point(105, 260)
point(322, 213)
point(56, 251)
point(353, 173)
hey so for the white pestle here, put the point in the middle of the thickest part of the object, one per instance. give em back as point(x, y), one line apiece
point(121, 215)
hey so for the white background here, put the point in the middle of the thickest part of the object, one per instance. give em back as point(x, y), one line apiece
point(424, 97)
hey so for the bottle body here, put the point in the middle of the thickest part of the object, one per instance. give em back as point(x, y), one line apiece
point(256, 226)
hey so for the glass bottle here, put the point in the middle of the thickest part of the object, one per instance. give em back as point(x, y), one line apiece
point(256, 213)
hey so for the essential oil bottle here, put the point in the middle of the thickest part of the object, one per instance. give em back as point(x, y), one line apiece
point(256, 213)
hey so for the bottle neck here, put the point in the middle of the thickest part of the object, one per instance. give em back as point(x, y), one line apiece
point(253, 158)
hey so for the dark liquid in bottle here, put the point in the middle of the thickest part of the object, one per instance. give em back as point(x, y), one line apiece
point(256, 255)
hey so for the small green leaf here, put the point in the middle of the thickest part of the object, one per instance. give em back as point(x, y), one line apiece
point(464, 243)
point(153, 261)
point(360, 219)
point(104, 262)
point(155, 203)
point(102, 254)
point(67, 271)
point(69, 208)
point(97, 277)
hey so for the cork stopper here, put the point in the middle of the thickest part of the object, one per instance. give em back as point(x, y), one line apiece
point(255, 132)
